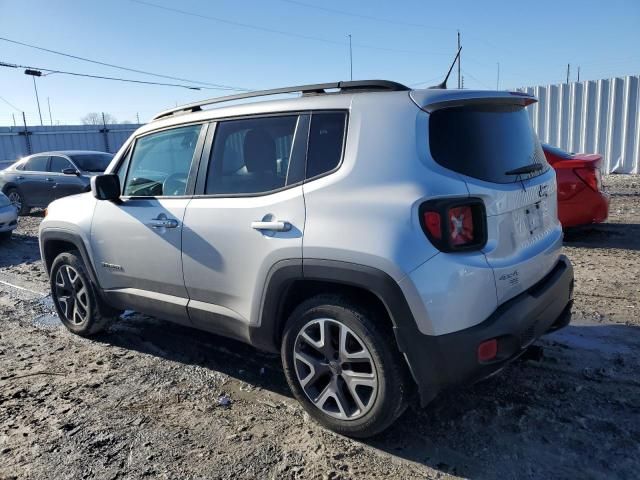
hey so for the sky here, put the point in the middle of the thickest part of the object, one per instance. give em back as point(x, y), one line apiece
point(253, 44)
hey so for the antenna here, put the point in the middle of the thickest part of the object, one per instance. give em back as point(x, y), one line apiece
point(443, 85)
point(459, 77)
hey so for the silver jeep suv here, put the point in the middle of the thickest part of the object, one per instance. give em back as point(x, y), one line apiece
point(386, 241)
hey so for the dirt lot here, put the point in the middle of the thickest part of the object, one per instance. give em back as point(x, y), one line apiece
point(141, 401)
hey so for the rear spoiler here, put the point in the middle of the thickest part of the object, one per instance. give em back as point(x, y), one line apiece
point(431, 100)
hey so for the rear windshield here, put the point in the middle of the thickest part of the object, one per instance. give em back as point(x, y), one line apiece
point(485, 141)
point(92, 162)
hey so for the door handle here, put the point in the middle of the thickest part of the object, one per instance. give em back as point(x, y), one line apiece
point(275, 226)
point(163, 223)
point(19, 177)
point(49, 179)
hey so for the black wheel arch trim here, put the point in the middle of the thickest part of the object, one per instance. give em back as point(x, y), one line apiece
point(283, 274)
point(74, 239)
point(435, 362)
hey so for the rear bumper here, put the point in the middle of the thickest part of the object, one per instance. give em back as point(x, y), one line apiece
point(440, 362)
point(586, 208)
point(8, 218)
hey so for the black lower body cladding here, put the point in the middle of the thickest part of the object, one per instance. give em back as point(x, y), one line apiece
point(441, 362)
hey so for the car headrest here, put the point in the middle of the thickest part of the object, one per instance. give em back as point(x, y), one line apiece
point(259, 151)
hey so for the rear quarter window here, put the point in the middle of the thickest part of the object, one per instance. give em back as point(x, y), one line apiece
point(485, 141)
point(326, 141)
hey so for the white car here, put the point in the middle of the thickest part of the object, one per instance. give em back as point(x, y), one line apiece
point(8, 217)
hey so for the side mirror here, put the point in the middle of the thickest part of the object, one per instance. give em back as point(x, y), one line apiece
point(106, 187)
point(70, 171)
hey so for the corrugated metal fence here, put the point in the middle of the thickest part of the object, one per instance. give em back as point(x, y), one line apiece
point(16, 142)
point(600, 116)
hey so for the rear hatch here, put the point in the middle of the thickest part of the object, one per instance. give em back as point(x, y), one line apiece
point(487, 138)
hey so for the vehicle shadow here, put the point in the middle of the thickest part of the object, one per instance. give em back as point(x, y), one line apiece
point(540, 419)
point(189, 346)
point(544, 418)
point(604, 235)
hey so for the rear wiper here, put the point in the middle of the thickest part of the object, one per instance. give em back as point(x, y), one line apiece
point(534, 167)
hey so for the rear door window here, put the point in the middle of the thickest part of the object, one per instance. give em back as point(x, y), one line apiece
point(326, 140)
point(485, 141)
point(252, 156)
point(36, 164)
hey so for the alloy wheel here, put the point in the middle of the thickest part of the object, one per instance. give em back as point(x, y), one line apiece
point(72, 295)
point(16, 199)
point(335, 369)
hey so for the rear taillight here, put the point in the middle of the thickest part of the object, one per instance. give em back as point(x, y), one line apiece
point(590, 176)
point(455, 224)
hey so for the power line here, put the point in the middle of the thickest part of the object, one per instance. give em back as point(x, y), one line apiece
point(484, 84)
point(417, 84)
point(368, 17)
point(280, 32)
point(394, 22)
point(52, 71)
point(10, 104)
point(97, 62)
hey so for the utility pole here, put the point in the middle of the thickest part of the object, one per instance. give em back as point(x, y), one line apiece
point(13, 115)
point(568, 70)
point(33, 76)
point(50, 117)
point(498, 78)
point(26, 134)
point(578, 73)
point(459, 59)
point(350, 58)
point(138, 118)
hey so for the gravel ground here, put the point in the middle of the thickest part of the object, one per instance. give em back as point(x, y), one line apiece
point(142, 400)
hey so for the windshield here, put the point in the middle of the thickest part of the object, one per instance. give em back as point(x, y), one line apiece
point(92, 162)
point(485, 142)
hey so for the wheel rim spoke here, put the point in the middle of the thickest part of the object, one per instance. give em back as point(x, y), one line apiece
point(15, 200)
point(335, 369)
point(347, 353)
point(72, 295)
point(316, 367)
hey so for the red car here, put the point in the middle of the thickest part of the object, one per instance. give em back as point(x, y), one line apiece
point(581, 200)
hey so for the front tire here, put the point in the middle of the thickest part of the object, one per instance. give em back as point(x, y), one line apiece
point(5, 236)
point(17, 200)
point(75, 298)
point(343, 366)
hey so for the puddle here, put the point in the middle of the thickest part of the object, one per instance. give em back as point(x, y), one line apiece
point(47, 321)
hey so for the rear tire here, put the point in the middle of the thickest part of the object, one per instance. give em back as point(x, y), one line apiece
point(18, 201)
point(351, 379)
point(75, 299)
point(5, 236)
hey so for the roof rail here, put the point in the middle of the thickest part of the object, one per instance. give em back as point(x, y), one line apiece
point(320, 88)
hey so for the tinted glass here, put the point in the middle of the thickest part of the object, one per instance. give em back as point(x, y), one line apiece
point(161, 161)
point(58, 164)
point(92, 162)
point(484, 142)
point(251, 156)
point(36, 164)
point(326, 136)
point(558, 152)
